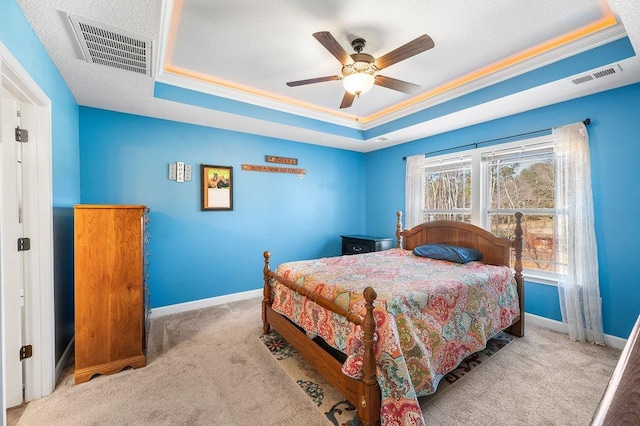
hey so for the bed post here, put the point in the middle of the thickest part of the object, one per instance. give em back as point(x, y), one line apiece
point(517, 329)
point(369, 391)
point(399, 229)
point(266, 293)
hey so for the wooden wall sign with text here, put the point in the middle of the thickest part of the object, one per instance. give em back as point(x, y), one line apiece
point(271, 169)
point(281, 160)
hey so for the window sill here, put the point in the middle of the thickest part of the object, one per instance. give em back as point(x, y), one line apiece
point(538, 278)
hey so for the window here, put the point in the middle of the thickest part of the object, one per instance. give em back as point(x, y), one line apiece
point(447, 190)
point(486, 186)
point(523, 180)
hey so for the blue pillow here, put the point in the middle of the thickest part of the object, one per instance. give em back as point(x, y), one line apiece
point(447, 252)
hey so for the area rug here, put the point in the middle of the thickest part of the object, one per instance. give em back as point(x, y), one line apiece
point(332, 404)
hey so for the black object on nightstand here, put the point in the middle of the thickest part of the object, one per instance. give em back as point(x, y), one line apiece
point(357, 244)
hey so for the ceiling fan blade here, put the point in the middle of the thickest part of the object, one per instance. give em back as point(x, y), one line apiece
point(399, 85)
point(419, 45)
point(331, 44)
point(313, 80)
point(347, 100)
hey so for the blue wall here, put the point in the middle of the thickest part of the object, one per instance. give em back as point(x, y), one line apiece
point(199, 254)
point(615, 148)
point(18, 36)
point(120, 158)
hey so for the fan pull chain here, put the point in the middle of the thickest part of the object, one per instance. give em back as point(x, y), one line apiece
point(358, 130)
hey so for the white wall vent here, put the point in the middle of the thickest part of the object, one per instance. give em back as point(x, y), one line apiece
point(101, 44)
point(582, 79)
point(598, 74)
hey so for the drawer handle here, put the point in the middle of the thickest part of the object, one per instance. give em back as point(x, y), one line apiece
point(355, 248)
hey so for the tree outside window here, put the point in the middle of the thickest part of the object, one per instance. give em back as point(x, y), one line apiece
point(447, 192)
point(508, 178)
point(526, 185)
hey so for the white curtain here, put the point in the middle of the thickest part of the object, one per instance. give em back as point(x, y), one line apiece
point(413, 191)
point(578, 284)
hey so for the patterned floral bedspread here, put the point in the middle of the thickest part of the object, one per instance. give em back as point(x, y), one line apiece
point(430, 315)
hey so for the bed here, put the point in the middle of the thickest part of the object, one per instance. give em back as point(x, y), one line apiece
point(382, 351)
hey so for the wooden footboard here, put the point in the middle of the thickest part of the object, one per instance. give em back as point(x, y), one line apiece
point(364, 394)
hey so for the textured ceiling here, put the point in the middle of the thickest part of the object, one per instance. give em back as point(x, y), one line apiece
point(247, 51)
point(273, 44)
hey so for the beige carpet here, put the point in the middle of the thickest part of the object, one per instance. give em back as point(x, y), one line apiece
point(541, 379)
point(206, 367)
point(332, 403)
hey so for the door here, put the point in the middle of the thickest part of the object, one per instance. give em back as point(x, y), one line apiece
point(12, 260)
point(39, 371)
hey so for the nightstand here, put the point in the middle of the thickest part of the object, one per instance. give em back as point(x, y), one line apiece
point(357, 244)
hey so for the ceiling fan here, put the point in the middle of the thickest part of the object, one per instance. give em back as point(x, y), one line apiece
point(359, 70)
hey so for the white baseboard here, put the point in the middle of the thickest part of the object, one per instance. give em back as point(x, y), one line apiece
point(204, 303)
point(613, 341)
point(64, 359)
point(560, 327)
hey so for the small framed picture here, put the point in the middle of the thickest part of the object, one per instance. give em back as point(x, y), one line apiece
point(217, 187)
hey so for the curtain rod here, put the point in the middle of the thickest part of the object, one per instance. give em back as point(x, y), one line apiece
point(586, 122)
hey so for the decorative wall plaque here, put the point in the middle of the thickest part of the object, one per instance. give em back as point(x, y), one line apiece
point(272, 169)
point(281, 160)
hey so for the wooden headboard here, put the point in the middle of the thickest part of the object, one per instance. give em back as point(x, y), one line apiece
point(494, 250)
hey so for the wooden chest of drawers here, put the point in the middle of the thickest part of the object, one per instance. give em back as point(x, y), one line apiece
point(357, 244)
point(109, 250)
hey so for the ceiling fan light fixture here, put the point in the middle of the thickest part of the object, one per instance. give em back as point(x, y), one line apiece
point(359, 77)
point(358, 82)
point(359, 70)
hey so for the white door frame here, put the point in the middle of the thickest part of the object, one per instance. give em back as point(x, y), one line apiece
point(11, 269)
point(38, 219)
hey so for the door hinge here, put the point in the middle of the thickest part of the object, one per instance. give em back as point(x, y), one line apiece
point(26, 352)
point(22, 135)
point(24, 244)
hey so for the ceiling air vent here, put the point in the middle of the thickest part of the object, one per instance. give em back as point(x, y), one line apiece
point(604, 73)
point(112, 47)
point(582, 79)
point(598, 74)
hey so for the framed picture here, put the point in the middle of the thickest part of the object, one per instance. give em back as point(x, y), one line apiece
point(217, 187)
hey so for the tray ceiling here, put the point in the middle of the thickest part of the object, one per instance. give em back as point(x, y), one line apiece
point(225, 64)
